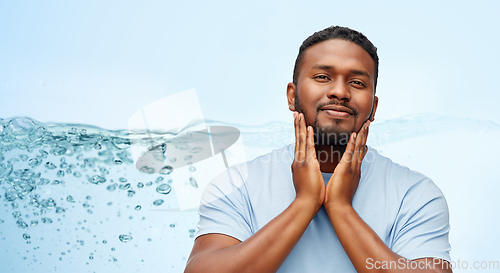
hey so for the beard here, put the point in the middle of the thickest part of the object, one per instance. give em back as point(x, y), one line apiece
point(332, 135)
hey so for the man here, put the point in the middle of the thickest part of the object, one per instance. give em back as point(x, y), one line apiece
point(342, 207)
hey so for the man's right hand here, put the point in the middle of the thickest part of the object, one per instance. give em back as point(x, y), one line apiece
point(307, 178)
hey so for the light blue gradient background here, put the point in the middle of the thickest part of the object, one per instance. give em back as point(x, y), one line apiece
point(98, 62)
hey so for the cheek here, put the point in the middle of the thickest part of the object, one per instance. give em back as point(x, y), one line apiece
point(365, 107)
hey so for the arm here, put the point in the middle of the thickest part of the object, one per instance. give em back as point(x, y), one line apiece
point(267, 249)
point(361, 243)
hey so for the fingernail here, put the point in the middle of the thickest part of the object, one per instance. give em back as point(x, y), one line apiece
point(353, 136)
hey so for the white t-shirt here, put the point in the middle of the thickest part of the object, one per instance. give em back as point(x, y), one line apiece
point(405, 208)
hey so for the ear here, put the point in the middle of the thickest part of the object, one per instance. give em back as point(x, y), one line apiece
point(375, 104)
point(290, 94)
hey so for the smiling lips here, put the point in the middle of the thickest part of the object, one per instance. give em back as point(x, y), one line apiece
point(337, 111)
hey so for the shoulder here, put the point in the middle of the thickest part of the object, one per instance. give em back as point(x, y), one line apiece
point(397, 175)
point(401, 184)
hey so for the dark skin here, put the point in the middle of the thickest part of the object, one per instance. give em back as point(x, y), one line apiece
point(333, 73)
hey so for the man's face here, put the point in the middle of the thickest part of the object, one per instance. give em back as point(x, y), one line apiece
point(335, 90)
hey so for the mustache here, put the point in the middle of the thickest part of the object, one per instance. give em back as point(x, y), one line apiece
point(338, 103)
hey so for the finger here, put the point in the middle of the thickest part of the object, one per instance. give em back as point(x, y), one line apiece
point(365, 151)
point(304, 134)
point(357, 147)
point(349, 150)
point(365, 138)
point(302, 137)
point(311, 150)
point(296, 126)
point(360, 145)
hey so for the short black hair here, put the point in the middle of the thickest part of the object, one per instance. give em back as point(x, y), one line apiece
point(336, 32)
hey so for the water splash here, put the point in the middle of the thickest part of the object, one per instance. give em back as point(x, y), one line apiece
point(40, 164)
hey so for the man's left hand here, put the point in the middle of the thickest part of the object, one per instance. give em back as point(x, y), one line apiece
point(345, 178)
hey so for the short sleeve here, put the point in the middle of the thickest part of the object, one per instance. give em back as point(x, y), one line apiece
point(225, 207)
point(422, 227)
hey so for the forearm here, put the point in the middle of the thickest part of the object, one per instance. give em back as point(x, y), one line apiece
point(361, 243)
point(264, 251)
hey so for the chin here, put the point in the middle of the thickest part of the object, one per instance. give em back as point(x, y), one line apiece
point(331, 136)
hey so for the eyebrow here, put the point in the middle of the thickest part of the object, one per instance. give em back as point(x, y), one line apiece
point(353, 71)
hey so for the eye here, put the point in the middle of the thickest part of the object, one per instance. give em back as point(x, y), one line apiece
point(322, 78)
point(359, 83)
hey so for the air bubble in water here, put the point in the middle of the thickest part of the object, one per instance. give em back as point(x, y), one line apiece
point(193, 182)
point(58, 150)
point(5, 170)
point(44, 181)
point(49, 203)
point(50, 165)
point(97, 179)
point(158, 202)
point(35, 162)
point(26, 236)
point(21, 126)
point(46, 220)
point(124, 186)
point(166, 170)
point(112, 187)
point(164, 189)
point(146, 169)
point(43, 153)
point(125, 238)
point(138, 207)
point(57, 182)
point(70, 199)
point(140, 185)
point(21, 224)
point(196, 150)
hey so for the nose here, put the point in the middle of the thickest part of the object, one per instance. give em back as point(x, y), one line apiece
point(339, 90)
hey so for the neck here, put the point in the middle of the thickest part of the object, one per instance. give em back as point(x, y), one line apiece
point(329, 156)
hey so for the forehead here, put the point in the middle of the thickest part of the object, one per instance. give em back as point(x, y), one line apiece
point(339, 54)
